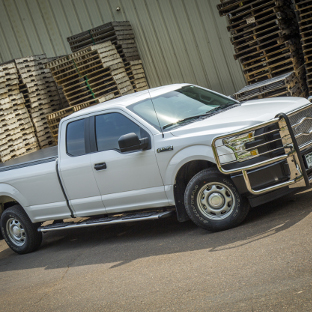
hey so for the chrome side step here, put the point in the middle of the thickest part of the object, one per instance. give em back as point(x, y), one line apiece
point(124, 218)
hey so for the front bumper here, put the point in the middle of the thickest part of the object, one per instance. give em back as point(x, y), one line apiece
point(287, 170)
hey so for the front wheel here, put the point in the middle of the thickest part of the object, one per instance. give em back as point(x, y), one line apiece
point(213, 202)
point(19, 232)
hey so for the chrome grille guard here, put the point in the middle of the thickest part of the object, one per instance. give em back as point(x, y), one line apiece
point(298, 175)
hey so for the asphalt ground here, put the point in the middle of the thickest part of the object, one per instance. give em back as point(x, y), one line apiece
point(262, 265)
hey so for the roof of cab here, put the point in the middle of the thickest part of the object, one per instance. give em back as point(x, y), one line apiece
point(127, 99)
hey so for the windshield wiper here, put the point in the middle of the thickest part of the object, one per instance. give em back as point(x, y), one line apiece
point(208, 113)
point(212, 111)
point(182, 120)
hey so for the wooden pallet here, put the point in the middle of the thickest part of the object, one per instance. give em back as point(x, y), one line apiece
point(14, 154)
point(136, 74)
point(112, 31)
point(274, 33)
point(272, 62)
point(91, 73)
point(272, 42)
point(15, 145)
point(271, 71)
point(288, 82)
point(240, 7)
point(258, 20)
point(54, 119)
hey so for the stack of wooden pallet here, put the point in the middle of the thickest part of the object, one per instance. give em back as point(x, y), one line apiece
point(304, 14)
point(91, 73)
point(284, 85)
point(41, 94)
point(55, 118)
point(17, 135)
point(118, 33)
point(265, 37)
point(121, 35)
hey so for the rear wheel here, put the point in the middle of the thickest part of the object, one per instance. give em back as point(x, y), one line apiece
point(213, 202)
point(19, 232)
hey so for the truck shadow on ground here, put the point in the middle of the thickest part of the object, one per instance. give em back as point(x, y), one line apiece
point(124, 243)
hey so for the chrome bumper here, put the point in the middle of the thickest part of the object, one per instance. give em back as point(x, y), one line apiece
point(298, 176)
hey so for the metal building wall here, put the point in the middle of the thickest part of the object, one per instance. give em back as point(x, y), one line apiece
point(178, 40)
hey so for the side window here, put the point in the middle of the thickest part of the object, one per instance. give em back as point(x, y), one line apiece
point(110, 127)
point(75, 139)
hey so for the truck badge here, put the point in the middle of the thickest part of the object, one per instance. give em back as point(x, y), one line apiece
point(164, 149)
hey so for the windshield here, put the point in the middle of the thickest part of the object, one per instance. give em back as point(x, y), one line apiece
point(180, 106)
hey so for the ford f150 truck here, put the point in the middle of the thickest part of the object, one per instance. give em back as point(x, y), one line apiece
point(175, 149)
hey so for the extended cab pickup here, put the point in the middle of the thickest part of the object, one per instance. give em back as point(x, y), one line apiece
point(178, 148)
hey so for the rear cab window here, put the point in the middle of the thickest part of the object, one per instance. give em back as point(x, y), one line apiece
point(75, 138)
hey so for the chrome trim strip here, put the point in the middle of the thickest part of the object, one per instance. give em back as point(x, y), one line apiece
point(301, 121)
point(256, 136)
point(270, 188)
point(303, 134)
point(297, 176)
point(253, 157)
point(306, 145)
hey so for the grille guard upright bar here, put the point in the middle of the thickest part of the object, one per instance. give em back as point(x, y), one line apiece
point(298, 175)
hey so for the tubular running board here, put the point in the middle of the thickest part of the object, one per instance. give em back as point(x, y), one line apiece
point(107, 220)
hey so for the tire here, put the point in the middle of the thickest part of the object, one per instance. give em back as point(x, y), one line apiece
point(213, 202)
point(19, 232)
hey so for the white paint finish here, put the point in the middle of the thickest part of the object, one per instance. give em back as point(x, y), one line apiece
point(128, 172)
point(132, 180)
point(52, 211)
point(178, 41)
point(88, 206)
point(37, 189)
point(79, 182)
point(39, 183)
point(8, 190)
point(135, 200)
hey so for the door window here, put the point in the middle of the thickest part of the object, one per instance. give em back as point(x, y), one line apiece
point(110, 127)
point(75, 138)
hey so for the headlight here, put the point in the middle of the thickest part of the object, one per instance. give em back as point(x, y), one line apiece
point(237, 145)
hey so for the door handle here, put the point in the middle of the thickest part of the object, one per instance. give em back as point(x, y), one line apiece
point(100, 166)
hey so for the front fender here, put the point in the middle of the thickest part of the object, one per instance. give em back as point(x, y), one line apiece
point(183, 156)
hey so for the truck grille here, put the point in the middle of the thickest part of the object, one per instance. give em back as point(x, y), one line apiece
point(301, 123)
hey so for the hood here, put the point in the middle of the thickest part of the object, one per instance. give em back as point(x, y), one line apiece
point(248, 114)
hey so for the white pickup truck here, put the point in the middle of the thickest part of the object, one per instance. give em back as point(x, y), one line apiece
point(178, 148)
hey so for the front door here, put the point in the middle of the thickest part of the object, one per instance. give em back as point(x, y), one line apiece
point(130, 180)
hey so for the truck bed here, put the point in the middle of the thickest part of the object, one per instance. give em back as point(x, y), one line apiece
point(35, 158)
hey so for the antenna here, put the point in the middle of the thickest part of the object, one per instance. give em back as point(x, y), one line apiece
point(161, 129)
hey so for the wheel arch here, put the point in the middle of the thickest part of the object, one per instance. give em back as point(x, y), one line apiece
point(182, 178)
point(10, 196)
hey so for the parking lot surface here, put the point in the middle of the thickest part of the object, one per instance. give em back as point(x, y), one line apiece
point(263, 265)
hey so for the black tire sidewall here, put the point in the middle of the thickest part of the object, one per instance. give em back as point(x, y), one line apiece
point(33, 238)
point(238, 213)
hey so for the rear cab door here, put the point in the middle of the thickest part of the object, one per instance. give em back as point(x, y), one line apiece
point(76, 172)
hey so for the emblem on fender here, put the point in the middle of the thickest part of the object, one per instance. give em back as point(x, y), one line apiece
point(165, 149)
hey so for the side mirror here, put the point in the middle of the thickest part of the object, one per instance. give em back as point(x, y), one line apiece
point(131, 142)
point(310, 98)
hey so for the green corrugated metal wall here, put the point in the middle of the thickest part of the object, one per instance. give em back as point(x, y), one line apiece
point(178, 40)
